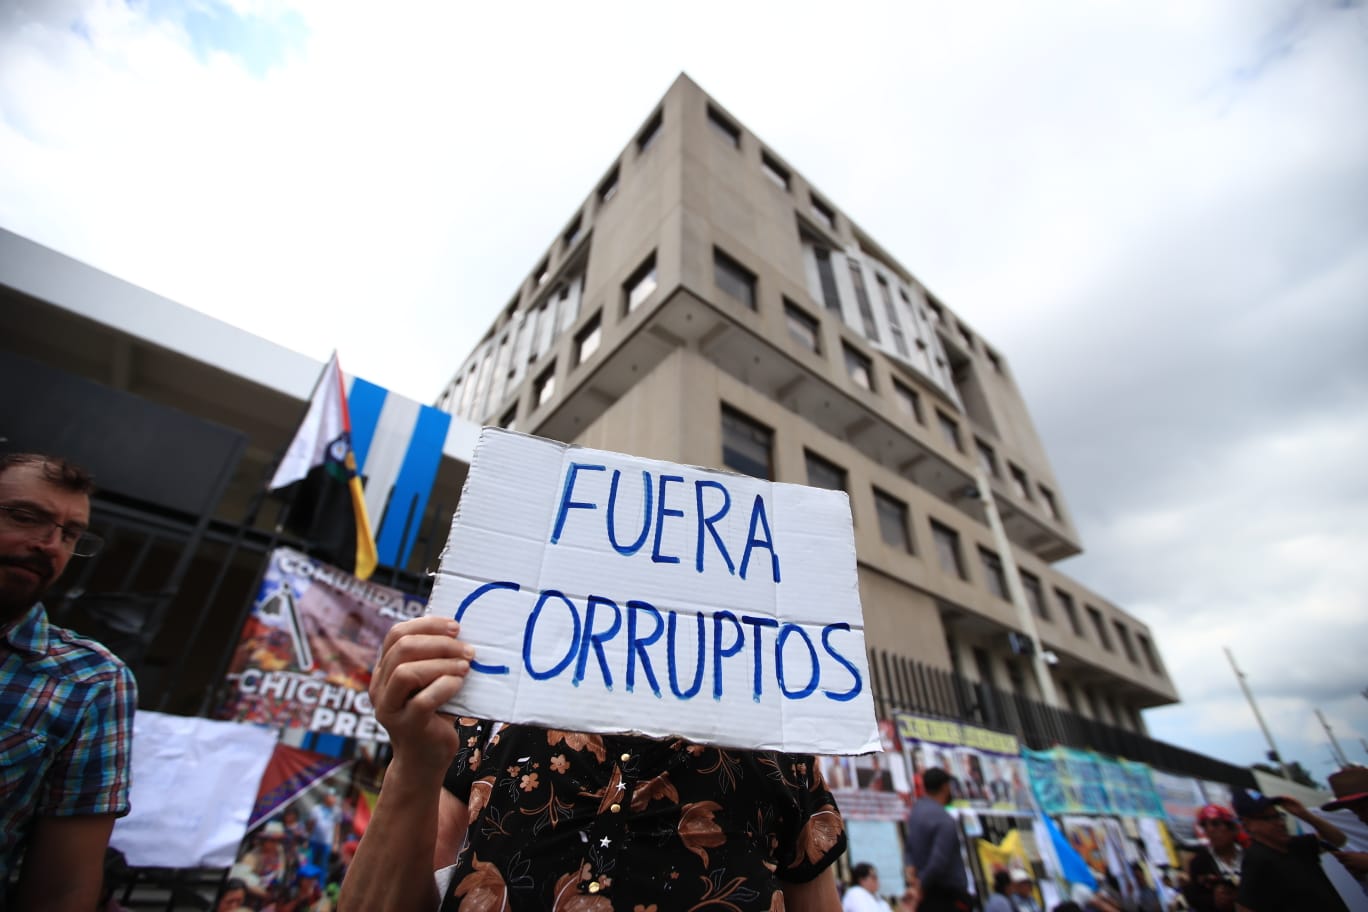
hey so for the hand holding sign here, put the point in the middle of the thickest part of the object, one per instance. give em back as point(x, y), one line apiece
point(615, 594)
point(421, 666)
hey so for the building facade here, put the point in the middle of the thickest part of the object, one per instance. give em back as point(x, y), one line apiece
point(708, 305)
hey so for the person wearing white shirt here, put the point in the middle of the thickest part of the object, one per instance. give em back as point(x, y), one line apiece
point(863, 895)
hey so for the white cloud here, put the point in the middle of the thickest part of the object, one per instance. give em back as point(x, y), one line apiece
point(1156, 211)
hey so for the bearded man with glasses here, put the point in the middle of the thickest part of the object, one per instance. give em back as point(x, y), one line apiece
point(66, 703)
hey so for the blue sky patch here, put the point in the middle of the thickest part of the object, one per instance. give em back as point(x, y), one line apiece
point(259, 42)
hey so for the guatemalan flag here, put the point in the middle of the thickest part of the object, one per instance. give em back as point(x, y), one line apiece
point(329, 507)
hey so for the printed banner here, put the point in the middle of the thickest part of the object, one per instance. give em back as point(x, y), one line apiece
point(873, 786)
point(1182, 798)
point(1068, 781)
point(310, 813)
point(305, 656)
point(989, 775)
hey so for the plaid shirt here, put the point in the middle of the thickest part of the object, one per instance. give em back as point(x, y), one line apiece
point(66, 728)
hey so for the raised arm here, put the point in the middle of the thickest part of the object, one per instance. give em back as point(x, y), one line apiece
point(1324, 828)
point(422, 665)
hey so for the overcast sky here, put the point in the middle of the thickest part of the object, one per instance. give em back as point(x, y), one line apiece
point(1158, 211)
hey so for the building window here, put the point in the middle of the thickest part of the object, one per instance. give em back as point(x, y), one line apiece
point(774, 171)
point(746, 444)
point(994, 360)
point(571, 233)
point(542, 272)
point(894, 324)
point(908, 400)
point(802, 326)
point(724, 127)
point(967, 338)
point(1067, 603)
point(587, 340)
point(948, 549)
point(871, 329)
point(992, 572)
point(642, 282)
point(984, 664)
point(648, 133)
point(892, 521)
point(1151, 657)
point(1035, 596)
point(1020, 484)
point(1047, 498)
point(1070, 697)
point(825, 214)
point(950, 428)
point(1101, 627)
point(1016, 676)
point(824, 474)
point(1091, 705)
point(860, 368)
point(986, 457)
point(733, 278)
point(545, 385)
point(830, 297)
point(608, 189)
point(509, 419)
point(937, 312)
point(1123, 634)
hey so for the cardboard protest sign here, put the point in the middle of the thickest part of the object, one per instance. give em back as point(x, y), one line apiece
point(305, 656)
point(609, 593)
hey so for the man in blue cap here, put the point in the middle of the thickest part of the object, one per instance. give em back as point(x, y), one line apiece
point(1282, 872)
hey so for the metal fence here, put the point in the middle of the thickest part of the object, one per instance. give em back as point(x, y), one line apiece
point(901, 684)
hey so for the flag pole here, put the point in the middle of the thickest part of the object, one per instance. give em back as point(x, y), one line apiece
point(239, 537)
point(1268, 736)
point(1335, 745)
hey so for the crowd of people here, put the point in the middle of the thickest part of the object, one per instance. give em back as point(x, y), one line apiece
point(477, 815)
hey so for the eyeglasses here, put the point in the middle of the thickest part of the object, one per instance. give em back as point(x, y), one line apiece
point(78, 541)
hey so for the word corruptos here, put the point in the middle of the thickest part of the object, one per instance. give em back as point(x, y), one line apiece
point(664, 648)
point(722, 635)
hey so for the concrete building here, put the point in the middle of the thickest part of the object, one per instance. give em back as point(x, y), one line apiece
point(708, 305)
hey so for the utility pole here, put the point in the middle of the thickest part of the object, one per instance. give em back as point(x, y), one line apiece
point(1339, 751)
point(1039, 661)
point(1268, 736)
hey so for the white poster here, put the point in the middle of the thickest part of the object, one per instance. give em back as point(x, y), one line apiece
point(194, 783)
point(609, 593)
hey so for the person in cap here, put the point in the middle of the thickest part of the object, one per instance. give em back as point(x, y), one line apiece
point(66, 702)
point(262, 866)
point(306, 894)
point(1350, 786)
point(1219, 860)
point(1282, 872)
point(1023, 891)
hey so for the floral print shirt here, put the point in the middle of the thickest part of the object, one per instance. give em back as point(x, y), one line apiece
point(579, 822)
